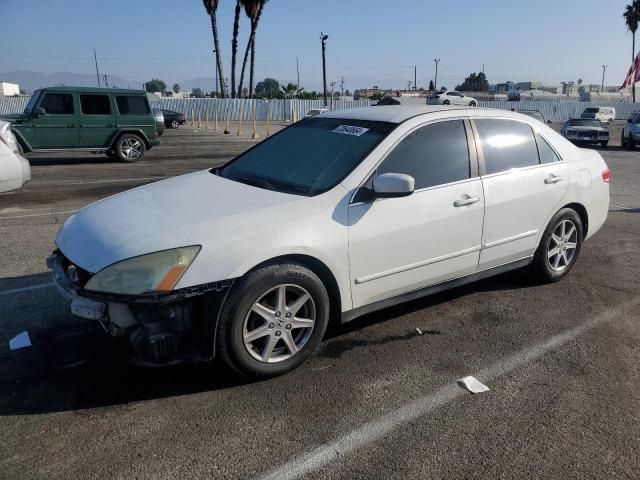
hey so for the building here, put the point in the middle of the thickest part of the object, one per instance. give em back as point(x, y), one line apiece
point(9, 89)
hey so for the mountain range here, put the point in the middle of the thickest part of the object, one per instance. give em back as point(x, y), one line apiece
point(30, 81)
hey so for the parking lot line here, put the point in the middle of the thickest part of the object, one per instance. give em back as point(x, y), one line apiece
point(26, 289)
point(38, 214)
point(376, 429)
point(93, 182)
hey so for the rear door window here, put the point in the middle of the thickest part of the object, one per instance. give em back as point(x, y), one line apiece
point(132, 105)
point(506, 144)
point(433, 155)
point(547, 154)
point(95, 104)
point(58, 103)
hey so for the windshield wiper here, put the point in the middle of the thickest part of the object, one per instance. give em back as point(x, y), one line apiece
point(255, 181)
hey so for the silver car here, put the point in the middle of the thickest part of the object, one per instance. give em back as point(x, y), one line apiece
point(582, 131)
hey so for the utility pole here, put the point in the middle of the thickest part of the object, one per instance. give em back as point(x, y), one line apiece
point(106, 80)
point(323, 38)
point(239, 93)
point(342, 86)
point(435, 82)
point(298, 70)
point(415, 77)
point(604, 69)
point(95, 59)
point(332, 85)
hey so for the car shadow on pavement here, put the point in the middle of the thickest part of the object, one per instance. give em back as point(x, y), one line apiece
point(40, 161)
point(74, 365)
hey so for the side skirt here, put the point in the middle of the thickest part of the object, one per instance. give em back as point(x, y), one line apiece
point(430, 290)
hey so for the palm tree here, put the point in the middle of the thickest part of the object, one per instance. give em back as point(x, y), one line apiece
point(253, 9)
point(631, 19)
point(234, 47)
point(291, 90)
point(211, 6)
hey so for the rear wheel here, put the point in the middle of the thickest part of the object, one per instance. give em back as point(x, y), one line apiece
point(174, 124)
point(273, 321)
point(130, 148)
point(560, 246)
point(473, 104)
point(446, 102)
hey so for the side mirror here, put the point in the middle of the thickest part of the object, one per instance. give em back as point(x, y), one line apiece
point(39, 111)
point(391, 185)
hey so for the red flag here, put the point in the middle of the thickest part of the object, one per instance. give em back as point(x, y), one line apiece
point(633, 75)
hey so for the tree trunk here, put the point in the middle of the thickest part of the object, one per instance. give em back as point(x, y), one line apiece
point(633, 59)
point(216, 45)
point(252, 69)
point(234, 48)
point(246, 57)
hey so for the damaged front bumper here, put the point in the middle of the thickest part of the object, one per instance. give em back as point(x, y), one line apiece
point(163, 328)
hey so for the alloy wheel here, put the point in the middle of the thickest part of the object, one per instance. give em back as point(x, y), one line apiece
point(279, 323)
point(175, 124)
point(561, 249)
point(131, 148)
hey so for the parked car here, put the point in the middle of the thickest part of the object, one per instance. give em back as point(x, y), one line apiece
point(376, 206)
point(159, 117)
point(113, 121)
point(316, 111)
point(451, 97)
point(631, 131)
point(15, 170)
point(173, 119)
point(533, 114)
point(584, 132)
point(604, 114)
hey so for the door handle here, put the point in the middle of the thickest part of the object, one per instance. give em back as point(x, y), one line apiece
point(553, 179)
point(465, 202)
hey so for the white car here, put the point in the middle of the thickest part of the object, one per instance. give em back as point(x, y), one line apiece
point(331, 218)
point(15, 170)
point(451, 97)
point(604, 114)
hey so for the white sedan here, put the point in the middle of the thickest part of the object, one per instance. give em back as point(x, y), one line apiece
point(451, 97)
point(331, 218)
point(15, 170)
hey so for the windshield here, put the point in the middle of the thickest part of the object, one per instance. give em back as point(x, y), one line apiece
point(309, 157)
point(32, 102)
point(584, 123)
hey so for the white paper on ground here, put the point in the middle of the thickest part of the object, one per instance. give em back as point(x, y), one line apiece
point(473, 385)
point(21, 340)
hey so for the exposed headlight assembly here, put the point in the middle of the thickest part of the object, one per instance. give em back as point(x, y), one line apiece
point(151, 273)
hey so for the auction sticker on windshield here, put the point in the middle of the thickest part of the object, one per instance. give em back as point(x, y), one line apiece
point(351, 130)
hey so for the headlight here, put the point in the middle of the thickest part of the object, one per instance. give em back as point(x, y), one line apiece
point(9, 139)
point(154, 272)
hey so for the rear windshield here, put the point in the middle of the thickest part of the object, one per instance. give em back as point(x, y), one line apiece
point(308, 158)
point(584, 123)
point(591, 110)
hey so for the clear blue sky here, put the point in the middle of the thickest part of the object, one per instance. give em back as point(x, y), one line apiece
point(371, 42)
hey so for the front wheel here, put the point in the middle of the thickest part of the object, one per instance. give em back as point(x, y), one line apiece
point(174, 124)
point(473, 104)
point(560, 246)
point(130, 148)
point(273, 320)
point(446, 102)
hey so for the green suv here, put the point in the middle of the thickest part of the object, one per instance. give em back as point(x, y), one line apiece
point(116, 122)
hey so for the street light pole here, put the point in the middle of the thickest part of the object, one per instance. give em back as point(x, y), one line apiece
point(435, 82)
point(604, 69)
point(323, 38)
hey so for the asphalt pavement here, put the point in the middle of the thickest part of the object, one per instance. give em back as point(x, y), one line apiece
point(379, 400)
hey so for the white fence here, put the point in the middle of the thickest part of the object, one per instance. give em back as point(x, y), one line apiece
point(278, 110)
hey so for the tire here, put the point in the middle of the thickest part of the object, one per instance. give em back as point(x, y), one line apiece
point(549, 267)
point(623, 141)
point(174, 124)
point(630, 143)
point(261, 290)
point(446, 102)
point(473, 104)
point(126, 147)
point(604, 144)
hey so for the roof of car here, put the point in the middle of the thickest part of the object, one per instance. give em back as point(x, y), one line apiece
point(93, 90)
point(400, 113)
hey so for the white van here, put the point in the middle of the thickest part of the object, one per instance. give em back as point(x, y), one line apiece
point(604, 114)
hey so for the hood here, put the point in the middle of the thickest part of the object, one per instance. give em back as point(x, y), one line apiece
point(11, 117)
point(172, 213)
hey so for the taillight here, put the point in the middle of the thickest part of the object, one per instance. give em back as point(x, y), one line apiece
point(606, 176)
